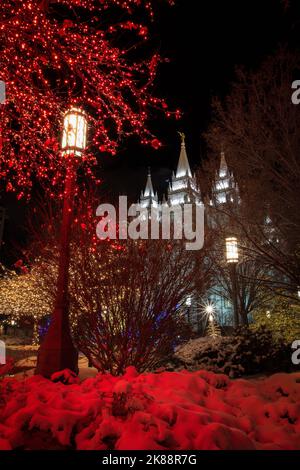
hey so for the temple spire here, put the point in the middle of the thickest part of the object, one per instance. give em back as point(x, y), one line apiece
point(223, 165)
point(183, 168)
point(149, 191)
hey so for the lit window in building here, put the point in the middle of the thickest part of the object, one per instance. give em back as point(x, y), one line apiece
point(222, 185)
point(221, 199)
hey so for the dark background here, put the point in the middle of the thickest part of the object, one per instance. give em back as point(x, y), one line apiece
point(205, 41)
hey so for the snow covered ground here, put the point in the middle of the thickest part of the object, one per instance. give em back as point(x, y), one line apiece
point(167, 410)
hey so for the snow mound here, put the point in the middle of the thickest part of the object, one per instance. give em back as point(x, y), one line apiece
point(244, 353)
point(163, 411)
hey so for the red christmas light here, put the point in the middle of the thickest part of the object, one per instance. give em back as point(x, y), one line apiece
point(50, 58)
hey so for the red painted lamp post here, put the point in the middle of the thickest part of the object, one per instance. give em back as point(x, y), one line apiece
point(57, 351)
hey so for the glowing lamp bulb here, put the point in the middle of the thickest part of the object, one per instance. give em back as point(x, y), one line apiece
point(209, 309)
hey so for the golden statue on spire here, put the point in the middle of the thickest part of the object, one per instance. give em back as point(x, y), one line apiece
point(182, 136)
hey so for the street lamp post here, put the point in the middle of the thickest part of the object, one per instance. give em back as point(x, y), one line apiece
point(209, 310)
point(232, 258)
point(57, 352)
point(188, 303)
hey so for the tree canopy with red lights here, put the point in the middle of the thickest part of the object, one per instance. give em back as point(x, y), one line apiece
point(54, 54)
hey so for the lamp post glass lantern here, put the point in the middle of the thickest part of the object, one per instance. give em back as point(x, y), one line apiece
point(74, 132)
point(57, 351)
point(232, 251)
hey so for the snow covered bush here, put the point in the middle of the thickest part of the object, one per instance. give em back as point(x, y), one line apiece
point(246, 352)
point(282, 318)
point(165, 411)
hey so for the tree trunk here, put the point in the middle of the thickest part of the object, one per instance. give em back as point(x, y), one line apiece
point(244, 317)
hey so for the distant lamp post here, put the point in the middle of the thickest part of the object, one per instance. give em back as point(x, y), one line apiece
point(208, 312)
point(188, 304)
point(298, 292)
point(210, 309)
point(211, 328)
point(57, 351)
point(232, 258)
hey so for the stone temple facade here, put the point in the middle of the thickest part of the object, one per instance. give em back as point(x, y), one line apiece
point(183, 188)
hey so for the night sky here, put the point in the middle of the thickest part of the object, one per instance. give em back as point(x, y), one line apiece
point(205, 41)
